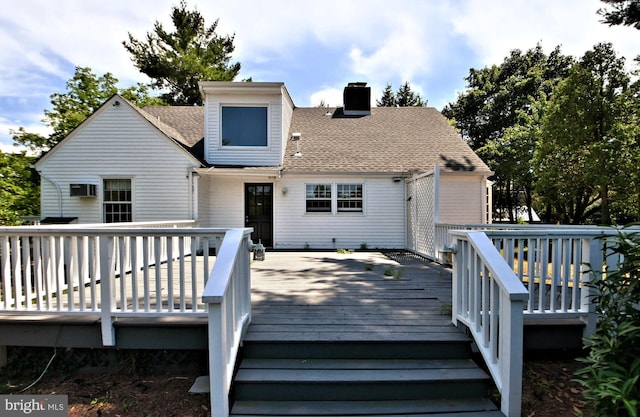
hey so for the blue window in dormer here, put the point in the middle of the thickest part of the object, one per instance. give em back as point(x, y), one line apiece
point(244, 126)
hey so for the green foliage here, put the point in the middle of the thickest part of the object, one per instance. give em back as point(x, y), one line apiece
point(577, 158)
point(392, 271)
point(177, 61)
point(85, 93)
point(19, 188)
point(499, 115)
point(624, 12)
point(404, 97)
point(611, 373)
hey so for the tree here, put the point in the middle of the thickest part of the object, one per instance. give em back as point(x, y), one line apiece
point(404, 97)
point(19, 188)
point(624, 12)
point(177, 61)
point(85, 93)
point(499, 114)
point(578, 154)
point(388, 98)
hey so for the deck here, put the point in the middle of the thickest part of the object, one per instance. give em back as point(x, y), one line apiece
point(359, 296)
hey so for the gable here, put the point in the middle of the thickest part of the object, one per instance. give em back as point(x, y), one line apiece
point(120, 129)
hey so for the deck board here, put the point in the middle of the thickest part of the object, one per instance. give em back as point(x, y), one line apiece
point(328, 296)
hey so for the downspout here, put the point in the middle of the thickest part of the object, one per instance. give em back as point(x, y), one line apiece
point(193, 194)
point(59, 192)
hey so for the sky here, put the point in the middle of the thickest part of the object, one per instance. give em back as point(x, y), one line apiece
point(314, 47)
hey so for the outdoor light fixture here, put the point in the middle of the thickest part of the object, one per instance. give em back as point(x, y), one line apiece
point(284, 190)
point(116, 103)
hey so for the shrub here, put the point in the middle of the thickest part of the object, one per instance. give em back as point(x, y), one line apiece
point(610, 377)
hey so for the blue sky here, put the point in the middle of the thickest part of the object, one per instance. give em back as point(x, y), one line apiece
point(315, 48)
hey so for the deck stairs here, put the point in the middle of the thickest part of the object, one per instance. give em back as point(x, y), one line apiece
point(281, 375)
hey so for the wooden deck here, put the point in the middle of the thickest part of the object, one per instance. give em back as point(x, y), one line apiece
point(360, 296)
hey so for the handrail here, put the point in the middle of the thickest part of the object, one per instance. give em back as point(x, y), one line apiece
point(228, 296)
point(489, 299)
point(109, 272)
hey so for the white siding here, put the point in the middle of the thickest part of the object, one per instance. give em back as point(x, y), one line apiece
point(251, 156)
point(461, 199)
point(287, 114)
point(382, 225)
point(117, 142)
point(226, 201)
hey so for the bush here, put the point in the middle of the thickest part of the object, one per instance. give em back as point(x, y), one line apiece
point(611, 373)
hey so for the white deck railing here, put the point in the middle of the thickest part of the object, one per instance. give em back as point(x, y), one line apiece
point(110, 271)
point(228, 296)
point(489, 299)
point(134, 270)
point(501, 278)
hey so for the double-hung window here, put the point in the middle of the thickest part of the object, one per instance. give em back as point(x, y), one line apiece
point(244, 126)
point(334, 198)
point(117, 201)
point(349, 197)
point(318, 198)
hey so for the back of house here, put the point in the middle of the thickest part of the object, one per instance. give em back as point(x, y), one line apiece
point(346, 177)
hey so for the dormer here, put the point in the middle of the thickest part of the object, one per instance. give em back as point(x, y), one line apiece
point(246, 123)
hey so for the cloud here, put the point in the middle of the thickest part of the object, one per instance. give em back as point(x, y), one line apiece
point(494, 28)
point(331, 97)
point(314, 47)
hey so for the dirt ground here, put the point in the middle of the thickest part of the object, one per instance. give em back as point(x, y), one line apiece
point(547, 392)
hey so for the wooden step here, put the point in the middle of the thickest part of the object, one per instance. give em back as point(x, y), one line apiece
point(360, 380)
point(445, 348)
point(415, 408)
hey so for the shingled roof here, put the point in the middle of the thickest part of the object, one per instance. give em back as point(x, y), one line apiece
point(184, 124)
point(390, 140)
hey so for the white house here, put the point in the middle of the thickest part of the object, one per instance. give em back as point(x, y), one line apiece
point(301, 177)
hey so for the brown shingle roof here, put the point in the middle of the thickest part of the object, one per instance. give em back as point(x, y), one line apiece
point(188, 121)
point(393, 140)
point(390, 140)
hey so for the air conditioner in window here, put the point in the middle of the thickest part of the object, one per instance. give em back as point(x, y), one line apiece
point(82, 190)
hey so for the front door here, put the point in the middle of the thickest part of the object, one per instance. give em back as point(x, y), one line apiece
point(258, 209)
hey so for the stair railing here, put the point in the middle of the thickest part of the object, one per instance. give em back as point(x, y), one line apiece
point(228, 296)
point(489, 299)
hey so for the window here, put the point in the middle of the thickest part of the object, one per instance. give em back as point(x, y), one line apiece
point(117, 201)
point(318, 198)
point(244, 126)
point(349, 197)
point(334, 198)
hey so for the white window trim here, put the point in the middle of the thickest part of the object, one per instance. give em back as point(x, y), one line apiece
point(133, 194)
point(244, 104)
point(334, 199)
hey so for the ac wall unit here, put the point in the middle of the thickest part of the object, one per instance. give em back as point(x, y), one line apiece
point(82, 190)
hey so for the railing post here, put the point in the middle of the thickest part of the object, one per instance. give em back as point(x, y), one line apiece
point(511, 354)
point(107, 290)
point(595, 255)
point(217, 364)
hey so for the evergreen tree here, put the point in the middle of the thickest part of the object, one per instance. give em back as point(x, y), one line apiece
point(176, 61)
point(404, 97)
point(624, 12)
point(388, 98)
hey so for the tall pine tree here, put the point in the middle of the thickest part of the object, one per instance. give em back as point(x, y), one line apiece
point(176, 61)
